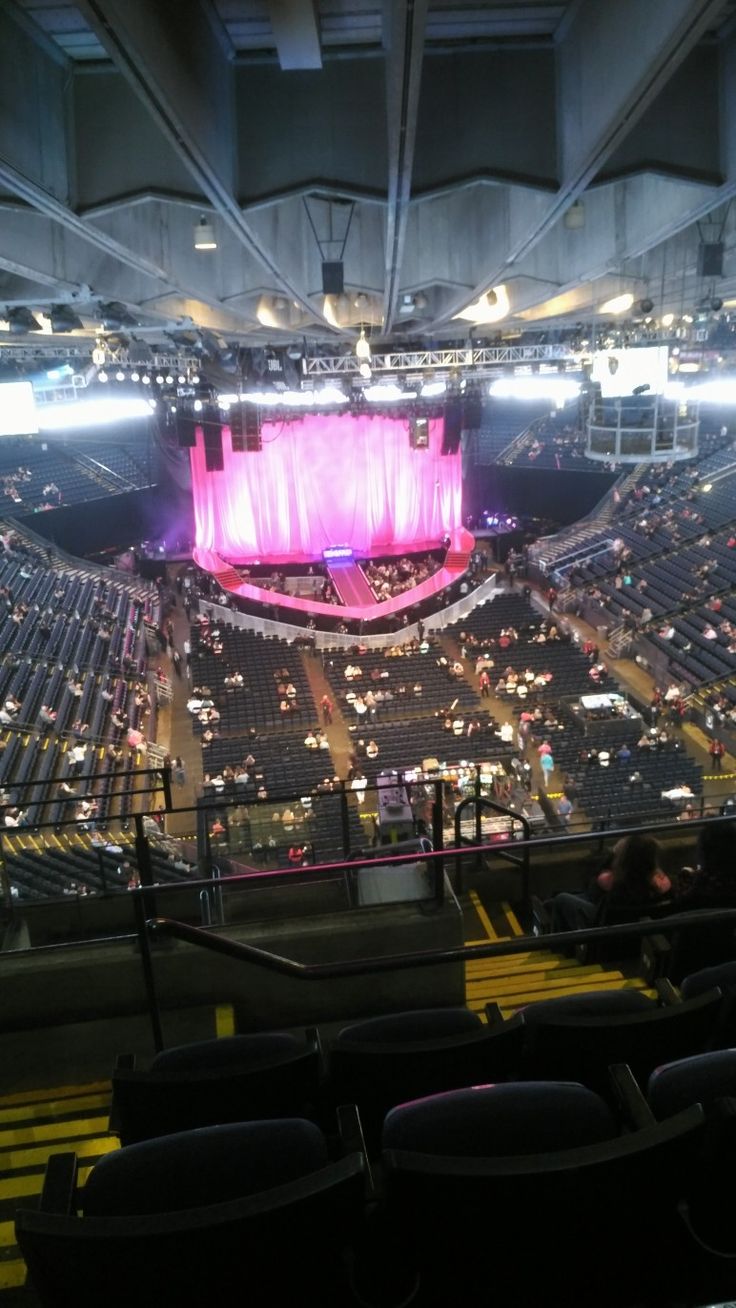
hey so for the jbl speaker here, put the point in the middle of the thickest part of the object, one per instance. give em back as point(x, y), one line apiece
point(333, 277)
point(453, 425)
point(213, 458)
point(237, 435)
point(252, 429)
point(710, 259)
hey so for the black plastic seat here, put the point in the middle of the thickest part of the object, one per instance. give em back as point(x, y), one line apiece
point(389, 1060)
point(244, 1209)
point(271, 1074)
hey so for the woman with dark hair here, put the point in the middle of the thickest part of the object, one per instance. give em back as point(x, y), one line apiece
point(631, 879)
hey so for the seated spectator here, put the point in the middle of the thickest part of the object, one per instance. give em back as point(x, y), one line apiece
point(712, 882)
point(632, 880)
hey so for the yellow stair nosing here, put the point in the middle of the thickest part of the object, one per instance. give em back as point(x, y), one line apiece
point(20, 1187)
point(12, 1274)
point(542, 983)
point(54, 1093)
point(554, 992)
point(53, 1109)
point(91, 1147)
point(70, 1129)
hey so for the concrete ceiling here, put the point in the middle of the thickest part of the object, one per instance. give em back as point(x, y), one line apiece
point(562, 152)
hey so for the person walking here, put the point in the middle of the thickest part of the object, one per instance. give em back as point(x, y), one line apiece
point(326, 706)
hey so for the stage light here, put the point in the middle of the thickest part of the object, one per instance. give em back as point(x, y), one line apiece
point(387, 391)
point(181, 379)
point(146, 379)
point(575, 216)
point(431, 388)
point(92, 413)
point(668, 319)
point(120, 375)
point(362, 346)
point(21, 320)
point(204, 236)
point(159, 379)
point(169, 379)
point(619, 303)
point(98, 356)
point(197, 406)
point(102, 376)
point(64, 319)
point(365, 371)
point(195, 379)
point(535, 388)
point(114, 316)
point(491, 307)
point(646, 306)
point(135, 376)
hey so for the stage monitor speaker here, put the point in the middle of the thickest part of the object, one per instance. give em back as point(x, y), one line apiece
point(333, 277)
point(252, 429)
point(213, 457)
point(710, 259)
point(419, 433)
point(236, 424)
point(452, 430)
point(186, 435)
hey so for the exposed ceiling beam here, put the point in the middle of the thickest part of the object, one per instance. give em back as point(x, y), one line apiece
point(46, 203)
point(404, 25)
point(295, 25)
point(58, 284)
point(612, 62)
point(174, 61)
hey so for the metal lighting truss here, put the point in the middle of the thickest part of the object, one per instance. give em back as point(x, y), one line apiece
point(421, 360)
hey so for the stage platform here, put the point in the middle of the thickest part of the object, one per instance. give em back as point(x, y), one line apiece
point(457, 561)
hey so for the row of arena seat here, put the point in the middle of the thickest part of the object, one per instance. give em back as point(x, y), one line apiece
point(265, 663)
point(385, 1195)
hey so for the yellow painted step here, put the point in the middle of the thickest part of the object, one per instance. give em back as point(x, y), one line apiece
point(7, 1235)
point(510, 1003)
point(527, 963)
point(54, 1108)
point(20, 1187)
point(512, 919)
point(12, 1274)
point(72, 1129)
point(92, 1148)
point(55, 1092)
point(539, 979)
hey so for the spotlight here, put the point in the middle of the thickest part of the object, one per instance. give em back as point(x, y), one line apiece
point(98, 356)
point(181, 379)
point(113, 316)
point(668, 319)
point(365, 370)
point(120, 375)
point(21, 320)
point(146, 379)
point(197, 406)
point(619, 303)
point(204, 236)
point(716, 304)
point(159, 379)
point(195, 379)
point(646, 306)
point(135, 376)
point(169, 379)
point(362, 346)
point(64, 319)
point(102, 376)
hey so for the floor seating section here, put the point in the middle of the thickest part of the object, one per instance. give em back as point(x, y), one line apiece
point(262, 661)
point(396, 676)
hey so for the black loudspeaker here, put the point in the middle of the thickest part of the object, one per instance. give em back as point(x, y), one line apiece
point(237, 434)
point(186, 435)
point(213, 458)
point(333, 277)
point(710, 259)
point(472, 411)
point(252, 430)
point(453, 425)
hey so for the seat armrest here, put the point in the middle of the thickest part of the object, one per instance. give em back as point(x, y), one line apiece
point(59, 1191)
point(635, 1111)
point(352, 1139)
point(668, 996)
point(125, 1063)
point(494, 1016)
point(655, 956)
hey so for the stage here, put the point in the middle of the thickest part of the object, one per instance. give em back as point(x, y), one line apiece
point(335, 490)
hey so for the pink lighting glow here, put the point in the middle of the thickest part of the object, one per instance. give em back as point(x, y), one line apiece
point(322, 480)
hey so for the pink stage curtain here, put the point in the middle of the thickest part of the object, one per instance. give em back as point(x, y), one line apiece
point(326, 480)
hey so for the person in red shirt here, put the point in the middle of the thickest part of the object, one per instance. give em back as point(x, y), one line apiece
point(326, 706)
point(717, 750)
